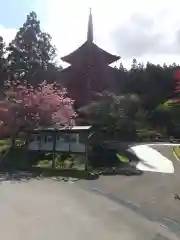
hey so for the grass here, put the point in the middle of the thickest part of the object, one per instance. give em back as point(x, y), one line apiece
point(4, 144)
point(46, 162)
point(122, 158)
point(177, 151)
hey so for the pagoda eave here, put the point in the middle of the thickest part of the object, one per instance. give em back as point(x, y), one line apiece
point(89, 50)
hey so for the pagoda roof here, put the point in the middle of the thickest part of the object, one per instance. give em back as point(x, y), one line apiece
point(89, 49)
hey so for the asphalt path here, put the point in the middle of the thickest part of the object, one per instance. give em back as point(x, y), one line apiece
point(150, 195)
point(165, 151)
point(111, 207)
point(52, 210)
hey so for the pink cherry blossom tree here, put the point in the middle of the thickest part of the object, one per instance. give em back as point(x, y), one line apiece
point(26, 106)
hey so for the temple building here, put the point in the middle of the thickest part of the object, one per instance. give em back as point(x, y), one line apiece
point(89, 72)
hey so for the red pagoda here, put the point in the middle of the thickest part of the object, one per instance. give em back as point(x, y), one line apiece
point(89, 72)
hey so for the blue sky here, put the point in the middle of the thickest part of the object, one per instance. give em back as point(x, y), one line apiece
point(13, 12)
point(147, 30)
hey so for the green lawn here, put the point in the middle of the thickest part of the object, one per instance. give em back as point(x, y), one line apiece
point(4, 144)
point(122, 158)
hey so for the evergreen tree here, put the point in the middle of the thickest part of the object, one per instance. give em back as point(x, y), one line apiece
point(153, 83)
point(3, 64)
point(31, 53)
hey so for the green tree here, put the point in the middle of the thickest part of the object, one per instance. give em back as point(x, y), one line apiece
point(115, 114)
point(3, 64)
point(153, 83)
point(31, 53)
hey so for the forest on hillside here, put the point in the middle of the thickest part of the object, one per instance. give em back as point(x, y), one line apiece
point(29, 60)
point(30, 57)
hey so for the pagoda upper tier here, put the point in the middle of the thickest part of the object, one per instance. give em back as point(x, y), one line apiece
point(90, 50)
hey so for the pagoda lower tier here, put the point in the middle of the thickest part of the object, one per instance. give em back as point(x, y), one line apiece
point(84, 83)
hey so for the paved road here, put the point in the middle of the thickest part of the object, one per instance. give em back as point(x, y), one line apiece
point(150, 195)
point(111, 207)
point(166, 151)
point(52, 210)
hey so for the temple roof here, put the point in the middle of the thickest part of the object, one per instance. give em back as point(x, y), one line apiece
point(89, 49)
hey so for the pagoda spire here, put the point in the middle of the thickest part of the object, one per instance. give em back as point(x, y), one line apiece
point(90, 28)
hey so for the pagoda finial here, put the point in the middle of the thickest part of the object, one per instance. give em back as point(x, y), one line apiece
point(90, 28)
